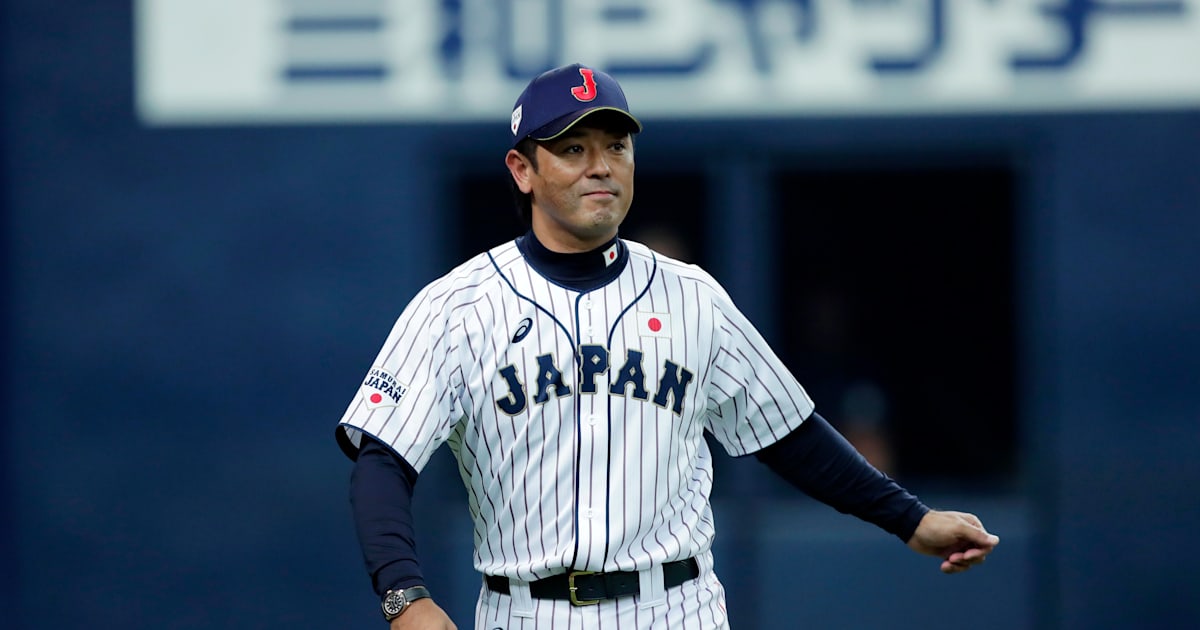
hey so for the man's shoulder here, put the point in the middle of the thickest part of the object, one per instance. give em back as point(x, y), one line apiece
point(670, 266)
point(673, 271)
point(481, 265)
point(470, 275)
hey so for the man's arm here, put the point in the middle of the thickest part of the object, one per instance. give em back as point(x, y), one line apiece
point(381, 488)
point(819, 461)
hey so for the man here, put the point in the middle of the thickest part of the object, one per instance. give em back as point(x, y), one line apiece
point(573, 375)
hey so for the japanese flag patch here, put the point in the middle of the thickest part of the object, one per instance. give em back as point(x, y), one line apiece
point(516, 119)
point(654, 324)
point(610, 255)
point(381, 389)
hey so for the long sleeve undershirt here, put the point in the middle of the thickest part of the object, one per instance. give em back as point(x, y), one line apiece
point(815, 458)
point(819, 461)
point(381, 489)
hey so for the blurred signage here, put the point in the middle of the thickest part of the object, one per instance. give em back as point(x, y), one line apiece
point(250, 61)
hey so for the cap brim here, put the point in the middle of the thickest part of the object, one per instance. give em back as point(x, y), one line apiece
point(559, 126)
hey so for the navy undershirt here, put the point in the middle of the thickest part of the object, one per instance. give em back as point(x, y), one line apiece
point(381, 490)
point(580, 272)
point(818, 460)
point(815, 457)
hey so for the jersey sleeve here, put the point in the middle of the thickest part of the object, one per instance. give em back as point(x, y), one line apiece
point(408, 399)
point(753, 399)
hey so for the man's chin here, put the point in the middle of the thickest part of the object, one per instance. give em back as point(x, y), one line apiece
point(607, 216)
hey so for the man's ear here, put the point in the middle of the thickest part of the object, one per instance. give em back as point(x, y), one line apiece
point(520, 169)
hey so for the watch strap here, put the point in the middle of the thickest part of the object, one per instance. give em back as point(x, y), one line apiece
point(396, 601)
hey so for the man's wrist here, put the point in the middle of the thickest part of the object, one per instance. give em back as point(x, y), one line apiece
point(396, 601)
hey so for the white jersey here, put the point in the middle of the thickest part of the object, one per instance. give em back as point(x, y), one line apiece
point(577, 418)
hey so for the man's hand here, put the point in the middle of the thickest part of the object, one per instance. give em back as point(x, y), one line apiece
point(423, 614)
point(958, 538)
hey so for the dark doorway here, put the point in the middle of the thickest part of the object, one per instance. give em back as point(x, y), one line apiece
point(897, 311)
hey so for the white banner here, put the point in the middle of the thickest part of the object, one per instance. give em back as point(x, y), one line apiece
point(254, 61)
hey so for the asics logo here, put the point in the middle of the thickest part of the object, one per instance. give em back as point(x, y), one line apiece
point(522, 329)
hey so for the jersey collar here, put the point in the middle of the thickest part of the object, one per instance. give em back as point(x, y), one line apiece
point(583, 271)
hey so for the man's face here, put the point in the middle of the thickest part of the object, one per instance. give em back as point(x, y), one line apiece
point(582, 188)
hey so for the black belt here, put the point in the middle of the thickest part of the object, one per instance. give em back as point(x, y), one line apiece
point(584, 588)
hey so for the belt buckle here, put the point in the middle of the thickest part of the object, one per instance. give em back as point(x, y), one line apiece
point(571, 589)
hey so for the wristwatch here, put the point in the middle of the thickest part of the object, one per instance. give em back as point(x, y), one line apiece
point(396, 602)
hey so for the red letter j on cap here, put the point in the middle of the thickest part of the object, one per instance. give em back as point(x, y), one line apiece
point(587, 91)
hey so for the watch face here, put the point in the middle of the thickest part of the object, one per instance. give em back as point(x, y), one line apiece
point(393, 603)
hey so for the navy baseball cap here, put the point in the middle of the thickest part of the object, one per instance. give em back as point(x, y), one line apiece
point(557, 99)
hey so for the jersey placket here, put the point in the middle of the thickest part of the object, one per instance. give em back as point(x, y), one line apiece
point(593, 425)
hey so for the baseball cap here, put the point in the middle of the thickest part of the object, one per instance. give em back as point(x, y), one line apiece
point(557, 99)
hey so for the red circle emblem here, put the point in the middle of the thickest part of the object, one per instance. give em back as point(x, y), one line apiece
point(376, 398)
point(654, 324)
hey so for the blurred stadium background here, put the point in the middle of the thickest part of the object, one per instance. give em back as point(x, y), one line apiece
point(969, 225)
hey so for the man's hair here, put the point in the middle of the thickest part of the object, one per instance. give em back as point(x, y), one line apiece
point(524, 201)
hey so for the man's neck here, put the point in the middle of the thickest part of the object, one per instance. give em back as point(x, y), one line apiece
point(582, 271)
point(563, 242)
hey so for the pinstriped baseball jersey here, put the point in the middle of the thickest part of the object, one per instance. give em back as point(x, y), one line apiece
point(577, 417)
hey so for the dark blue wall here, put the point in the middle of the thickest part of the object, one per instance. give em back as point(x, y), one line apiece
point(190, 309)
point(1125, 325)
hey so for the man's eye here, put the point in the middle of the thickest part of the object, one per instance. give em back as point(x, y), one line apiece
point(619, 146)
